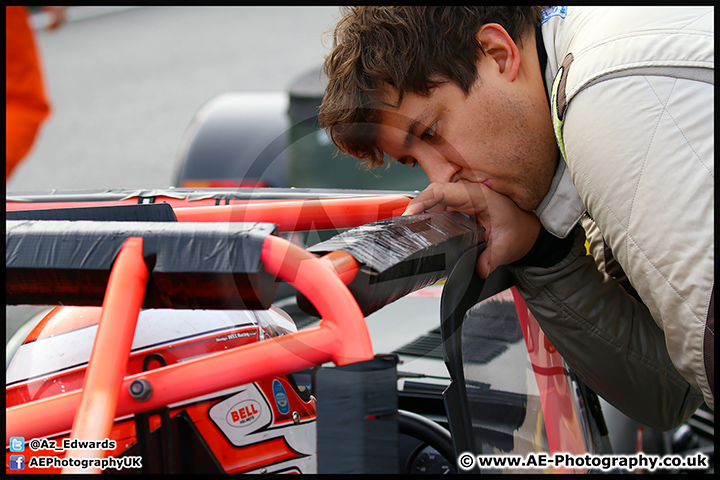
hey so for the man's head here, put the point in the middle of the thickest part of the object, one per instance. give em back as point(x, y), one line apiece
point(453, 84)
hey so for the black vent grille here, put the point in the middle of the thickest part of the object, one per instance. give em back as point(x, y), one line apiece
point(428, 345)
point(489, 327)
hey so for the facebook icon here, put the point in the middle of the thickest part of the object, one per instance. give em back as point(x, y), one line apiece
point(17, 462)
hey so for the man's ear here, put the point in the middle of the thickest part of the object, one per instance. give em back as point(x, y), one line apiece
point(500, 47)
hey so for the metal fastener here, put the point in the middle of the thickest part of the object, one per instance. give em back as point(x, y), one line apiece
point(140, 390)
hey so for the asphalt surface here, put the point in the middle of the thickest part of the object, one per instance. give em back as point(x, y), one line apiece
point(124, 83)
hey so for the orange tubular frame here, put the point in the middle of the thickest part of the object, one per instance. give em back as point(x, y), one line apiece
point(111, 350)
point(340, 337)
point(302, 215)
point(343, 264)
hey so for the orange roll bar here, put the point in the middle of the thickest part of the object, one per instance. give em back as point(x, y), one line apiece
point(344, 265)
point(341, 337)
point(111, 350)
point(302, 215)
point(337, 307)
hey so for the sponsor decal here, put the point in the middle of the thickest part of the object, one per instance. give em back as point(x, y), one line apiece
point(244, 413)
point(550, 12)
point(244, 416)
point(281, 398)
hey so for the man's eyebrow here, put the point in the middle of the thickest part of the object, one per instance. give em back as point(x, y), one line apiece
point(413, 127)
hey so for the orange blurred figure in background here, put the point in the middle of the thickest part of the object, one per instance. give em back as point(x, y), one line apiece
point(26, 101)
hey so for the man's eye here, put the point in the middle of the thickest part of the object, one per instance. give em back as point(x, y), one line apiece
point(408, 161)
point(428, 134)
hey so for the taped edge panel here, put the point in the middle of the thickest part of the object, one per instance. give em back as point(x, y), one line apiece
point(401, 254)
point(192, 265)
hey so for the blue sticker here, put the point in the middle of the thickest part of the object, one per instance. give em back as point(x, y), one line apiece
point(550, 12)
point(281, 399)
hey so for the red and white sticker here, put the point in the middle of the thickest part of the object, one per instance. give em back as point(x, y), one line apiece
point(244, 414)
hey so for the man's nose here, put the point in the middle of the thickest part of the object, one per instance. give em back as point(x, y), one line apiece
point(439, 168)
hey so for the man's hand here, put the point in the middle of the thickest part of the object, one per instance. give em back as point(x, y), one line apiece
point(510, 232)
point(57, 15)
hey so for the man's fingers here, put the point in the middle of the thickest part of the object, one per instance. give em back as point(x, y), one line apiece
point(423, 202)
point(443, 196)
point(510, 232)
point(58, 16)
point(483, 266)
point(417, 206)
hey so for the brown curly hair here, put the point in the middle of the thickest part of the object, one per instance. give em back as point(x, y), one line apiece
point(408, 48)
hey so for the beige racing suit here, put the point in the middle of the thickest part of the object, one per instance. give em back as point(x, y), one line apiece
point(631, 91)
